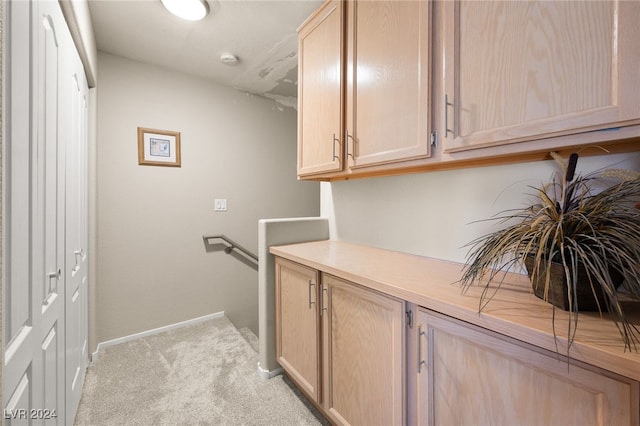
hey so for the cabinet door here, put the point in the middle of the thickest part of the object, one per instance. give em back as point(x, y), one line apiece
point(363, 355)
point(320, 91)
point(526, 70)
point(469, 375)
point(298, 325)
point(389, 81)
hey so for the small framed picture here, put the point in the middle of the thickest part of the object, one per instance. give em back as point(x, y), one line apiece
point(158, 147)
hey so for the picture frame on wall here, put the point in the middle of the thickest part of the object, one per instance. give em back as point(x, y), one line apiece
point(158, 147)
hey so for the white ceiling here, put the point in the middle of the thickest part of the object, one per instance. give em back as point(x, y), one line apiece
point(261, 33)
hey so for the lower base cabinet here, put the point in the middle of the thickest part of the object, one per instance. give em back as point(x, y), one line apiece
point(350, 350)
point(298, 325)
point(363, 355)
point(469, 375)
point(357, 349)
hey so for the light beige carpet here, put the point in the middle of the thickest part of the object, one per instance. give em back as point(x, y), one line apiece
point(203, 374)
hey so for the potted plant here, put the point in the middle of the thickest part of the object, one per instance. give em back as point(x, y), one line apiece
point(579, 241)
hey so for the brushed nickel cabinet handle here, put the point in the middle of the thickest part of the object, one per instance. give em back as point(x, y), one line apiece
point(323, 305)
point(447, 104)
point(311, 302)
point(346, 138)
point(420, 360)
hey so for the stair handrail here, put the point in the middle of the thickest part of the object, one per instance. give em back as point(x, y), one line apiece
point(230, 246)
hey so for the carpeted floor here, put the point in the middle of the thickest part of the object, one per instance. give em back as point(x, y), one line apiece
point(203, 374)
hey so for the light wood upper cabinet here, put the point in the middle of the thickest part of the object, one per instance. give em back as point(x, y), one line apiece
point(364, 86)
point(392, 86)
point(469, 375)
point(320, 91)
point(529, 70)
point(363, 355)
point(298, 325)
point(388, 111)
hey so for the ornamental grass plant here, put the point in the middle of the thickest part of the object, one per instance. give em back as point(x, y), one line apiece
point(589, 222)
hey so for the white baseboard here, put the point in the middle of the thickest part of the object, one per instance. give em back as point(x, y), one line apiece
point(268, 374)
point(117, 341)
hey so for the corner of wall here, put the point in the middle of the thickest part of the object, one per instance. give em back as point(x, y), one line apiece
point(274, 232)
point(2, 189)
point(78, 18)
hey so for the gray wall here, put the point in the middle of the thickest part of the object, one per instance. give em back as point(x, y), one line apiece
point(433, 214)
point(152, 266)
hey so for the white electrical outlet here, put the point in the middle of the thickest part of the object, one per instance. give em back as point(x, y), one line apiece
point(220, 205)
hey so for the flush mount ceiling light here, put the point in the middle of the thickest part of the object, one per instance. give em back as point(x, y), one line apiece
point(193, 10)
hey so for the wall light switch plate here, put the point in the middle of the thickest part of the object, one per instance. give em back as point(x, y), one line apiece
point(220, 205)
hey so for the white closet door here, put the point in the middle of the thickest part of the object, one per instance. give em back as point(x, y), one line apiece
point(50, 37)
point(34, 354)
point(20, 286)
point(45, 180)
point(75, 105)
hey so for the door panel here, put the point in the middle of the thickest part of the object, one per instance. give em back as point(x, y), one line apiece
point(51, 359)
point(39, 79)
point(17, 408)
point(75, 135)
point(526, 70)
point(389, 75)
point(473, 376)
point(363, 355)
point(18, 287)
point(33, 301)
point(320, 92)
point(51, 35)
point(298, 325)
point(49, 210)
